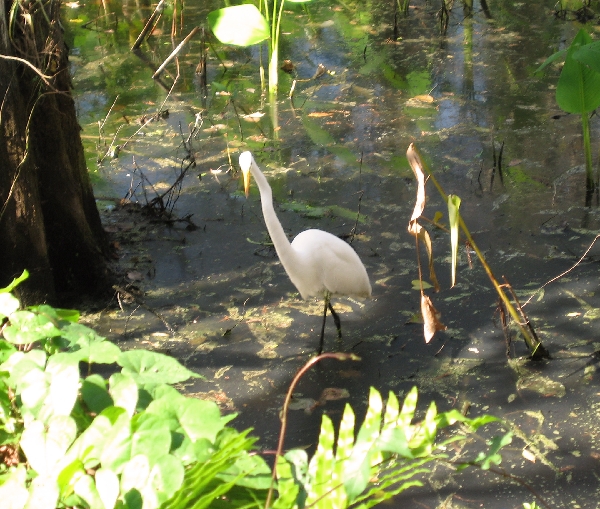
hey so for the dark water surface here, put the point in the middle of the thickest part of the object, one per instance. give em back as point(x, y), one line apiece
point(340, 145)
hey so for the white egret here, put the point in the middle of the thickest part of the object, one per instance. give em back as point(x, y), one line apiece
point(318, 263)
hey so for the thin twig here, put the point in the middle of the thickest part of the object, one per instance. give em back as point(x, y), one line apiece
point(564, 273)
point(43, 76)
point(149, 25)
point(141, 303)
point(175, 52)
point(361, 192)
point(108, 113)
point(286, 404)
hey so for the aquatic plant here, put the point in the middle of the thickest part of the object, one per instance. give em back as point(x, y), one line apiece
point(430, 315)
point(388, 454)
point(245, 25)
point(132, 440)
point(578, 89)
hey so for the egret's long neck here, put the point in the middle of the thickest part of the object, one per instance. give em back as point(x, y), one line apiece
point(282, 244)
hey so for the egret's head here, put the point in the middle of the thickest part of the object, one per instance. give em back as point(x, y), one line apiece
point(245, 163)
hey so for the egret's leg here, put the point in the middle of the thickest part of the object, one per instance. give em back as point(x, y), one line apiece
point(336, 319)
point(320, 351)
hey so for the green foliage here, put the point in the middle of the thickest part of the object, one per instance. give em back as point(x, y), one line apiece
point(388, 455)
point(240, 25)
point(578, 88)
point(134, 442)
point(128, 441)
point(245, 25)
point(454, 220)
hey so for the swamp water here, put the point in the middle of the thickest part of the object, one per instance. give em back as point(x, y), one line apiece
point(336, 149)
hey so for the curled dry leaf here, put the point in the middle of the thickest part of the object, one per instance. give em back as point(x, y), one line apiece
point(431, 322)
point(415, 164)
point(414, 228)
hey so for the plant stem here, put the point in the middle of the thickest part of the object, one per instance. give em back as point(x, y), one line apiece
point(587, 148)
point(286, 404)
point(274, 46)
point(535, 346)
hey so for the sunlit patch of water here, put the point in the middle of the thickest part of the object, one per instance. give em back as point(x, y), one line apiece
point(334, 155)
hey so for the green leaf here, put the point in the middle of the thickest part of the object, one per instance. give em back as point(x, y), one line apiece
point(89, 445)
point(15, 282)
point(423, 440)
point(552, 58)
point(408, 408)
point(324, 480)
point(166, 478)
point(13, 492)
point(62, 372)
point(392, 410)
point(395, 440)
point(153, 368)
point(578, 88)
point(454, 219)
point(43, 493)
point(250, 471)
point(240, 25)
point(85, 487)
point(68, 476)
point(90, 346)
point(589, 55)
point(492, 457)
point(116, 450)
point(8, 305)
point(124, 392)
point(45, 445)
point(345, 440)
point(56, 314)
point(95, 395)
point(135, 473)
point(6, 350)
point(151, 437)
point(298, 463)
point(201, 419)
point(287, 488)
point(196, 418)
point(28, 327)
point(107, 485)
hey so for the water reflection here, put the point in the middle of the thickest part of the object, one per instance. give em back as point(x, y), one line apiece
point(338, 145)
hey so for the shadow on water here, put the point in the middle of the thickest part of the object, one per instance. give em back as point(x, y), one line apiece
point(239, 320)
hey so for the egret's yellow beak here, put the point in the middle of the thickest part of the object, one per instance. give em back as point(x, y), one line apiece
point(246, 173)
point(245, 162)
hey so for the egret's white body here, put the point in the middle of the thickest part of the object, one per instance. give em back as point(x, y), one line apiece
point(318, 263)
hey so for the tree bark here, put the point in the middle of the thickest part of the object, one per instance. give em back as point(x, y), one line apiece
point(49, 223)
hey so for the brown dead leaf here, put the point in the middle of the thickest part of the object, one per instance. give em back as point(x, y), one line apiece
point(320, 114)
point(253, 117)
point(431, 322)
point(425, 98)
point(333, 393)
point(417, 169)
point(424, 236)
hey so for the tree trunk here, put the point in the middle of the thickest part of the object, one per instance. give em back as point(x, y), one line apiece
point(49, 223)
